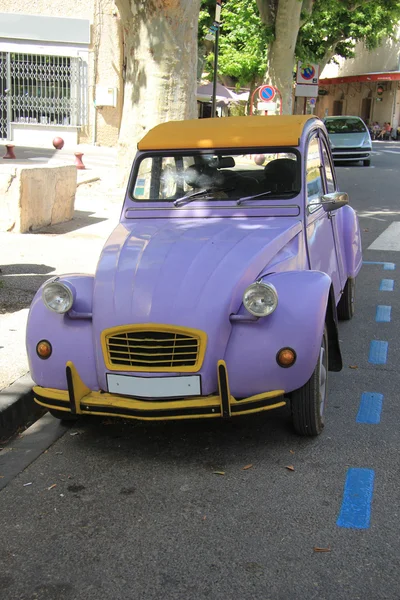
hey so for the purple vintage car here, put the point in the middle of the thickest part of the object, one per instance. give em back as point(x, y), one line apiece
point(219, 292)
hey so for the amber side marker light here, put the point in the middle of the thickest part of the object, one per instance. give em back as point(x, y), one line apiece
point(44, 349)
point(286, 357)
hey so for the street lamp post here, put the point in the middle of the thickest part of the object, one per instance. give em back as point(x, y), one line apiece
point(217, 23)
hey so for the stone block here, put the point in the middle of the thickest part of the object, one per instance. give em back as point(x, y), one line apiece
point(35, 197)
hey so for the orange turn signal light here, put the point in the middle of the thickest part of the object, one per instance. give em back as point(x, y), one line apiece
point(44, 349)
point(286, 357)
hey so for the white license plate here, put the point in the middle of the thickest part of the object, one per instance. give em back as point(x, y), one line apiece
point(154, 387)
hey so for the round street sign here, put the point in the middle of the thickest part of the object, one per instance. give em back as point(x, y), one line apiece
point(313, 101)
point(307, 71)
point(267, 93)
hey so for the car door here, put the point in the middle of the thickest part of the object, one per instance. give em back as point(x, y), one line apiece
point(330, 186)
point(321, 245)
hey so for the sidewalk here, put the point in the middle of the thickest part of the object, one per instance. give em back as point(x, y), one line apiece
point(27, 260)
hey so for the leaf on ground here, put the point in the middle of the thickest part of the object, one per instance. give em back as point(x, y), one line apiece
point(365, 229)
point(247, 467)
point(317, 549)
point(290, 467)
point(30, 483)
point(291, 451)
point(74, 433)
point(218, 472)
point(353, 367)
point(52, 486)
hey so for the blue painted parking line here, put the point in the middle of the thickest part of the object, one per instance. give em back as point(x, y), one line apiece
point(383, 314)
point(387, 266)
point(378, 351)
point(355, 512)
point(370, 408)
point(387, 285)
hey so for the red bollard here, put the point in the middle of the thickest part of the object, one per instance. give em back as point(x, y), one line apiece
point(58, 143)
point(78, 160)
point(10, 151)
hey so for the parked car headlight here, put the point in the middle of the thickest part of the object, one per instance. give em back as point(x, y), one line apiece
point(260, 299)
point(57, 297)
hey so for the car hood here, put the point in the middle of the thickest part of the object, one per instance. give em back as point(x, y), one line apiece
point(189, 272)
point(348, 140)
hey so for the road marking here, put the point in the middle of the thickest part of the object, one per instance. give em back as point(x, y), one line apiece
point(370, 408)
point(378, 351)
point(387, 285)
point(355, 512)
point(386, 265)
point(383, 314)
point(389, 239)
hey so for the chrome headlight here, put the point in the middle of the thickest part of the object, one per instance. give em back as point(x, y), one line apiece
point(260, 299)
point(57, 297)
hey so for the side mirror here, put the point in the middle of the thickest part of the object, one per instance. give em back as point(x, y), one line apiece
point(334, 201)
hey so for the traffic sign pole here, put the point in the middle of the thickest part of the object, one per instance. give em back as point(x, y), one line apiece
point(216, 52)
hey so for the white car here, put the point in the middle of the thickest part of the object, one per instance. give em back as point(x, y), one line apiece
point(350, 139)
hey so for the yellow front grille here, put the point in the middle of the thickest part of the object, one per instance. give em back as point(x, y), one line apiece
point(153, 348)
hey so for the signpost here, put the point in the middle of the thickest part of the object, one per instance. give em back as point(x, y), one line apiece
point(267, 94)
point(216, 27)
point(307, 82)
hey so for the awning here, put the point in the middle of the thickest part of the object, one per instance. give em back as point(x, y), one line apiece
point(223, 96)
point(364, 78)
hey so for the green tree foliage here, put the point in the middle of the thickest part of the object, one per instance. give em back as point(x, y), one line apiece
point(243, 40)
point(334, 27)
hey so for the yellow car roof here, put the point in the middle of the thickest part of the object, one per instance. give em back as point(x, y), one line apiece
point(226, 132)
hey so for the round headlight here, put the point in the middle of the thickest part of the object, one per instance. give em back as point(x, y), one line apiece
point(57, 297)
point(260, 299)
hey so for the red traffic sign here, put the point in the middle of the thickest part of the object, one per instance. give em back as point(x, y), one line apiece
point(267, 93)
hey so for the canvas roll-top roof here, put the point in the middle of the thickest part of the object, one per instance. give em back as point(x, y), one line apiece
point(226, 132)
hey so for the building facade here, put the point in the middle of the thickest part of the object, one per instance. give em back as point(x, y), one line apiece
point(61, 72)
point(367, 85)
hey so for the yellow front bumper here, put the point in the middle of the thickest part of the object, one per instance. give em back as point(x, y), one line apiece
point(79, 399)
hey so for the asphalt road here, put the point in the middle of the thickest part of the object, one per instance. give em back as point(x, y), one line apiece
point(136, 511)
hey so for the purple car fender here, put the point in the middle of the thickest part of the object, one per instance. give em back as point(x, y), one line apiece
point(350, 234)
point(73, 336)
point(298, 323)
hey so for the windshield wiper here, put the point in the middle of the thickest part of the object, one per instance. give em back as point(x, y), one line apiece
point(188, 198)
point(206, 192)
point(241, 200)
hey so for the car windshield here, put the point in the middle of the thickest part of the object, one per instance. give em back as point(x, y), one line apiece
point(197, 176)
point(345, 125)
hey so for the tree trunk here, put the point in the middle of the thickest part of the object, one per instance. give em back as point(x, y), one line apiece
point(160, 43)
point(282, 50)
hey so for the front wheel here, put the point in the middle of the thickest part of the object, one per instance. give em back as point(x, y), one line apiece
point(308, 402)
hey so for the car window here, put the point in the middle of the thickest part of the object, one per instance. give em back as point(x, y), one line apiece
point(330, 181)
point(345, 125)
point(224, 175)
point(315, 187)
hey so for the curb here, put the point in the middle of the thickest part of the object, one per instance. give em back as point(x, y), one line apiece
point(17, 407)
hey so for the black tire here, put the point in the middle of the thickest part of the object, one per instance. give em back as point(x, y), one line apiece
point(345, 307)
point(63, 415)
point(367, 162)
point(309, 401)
